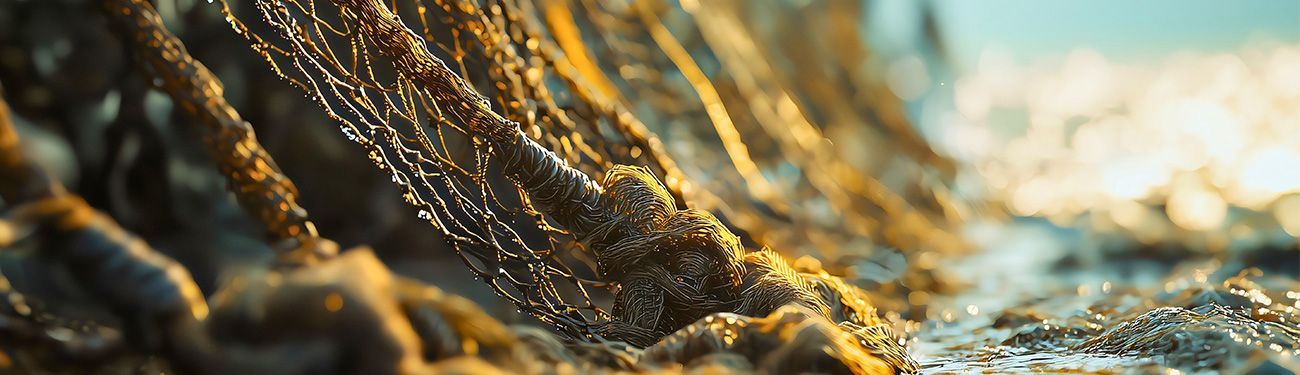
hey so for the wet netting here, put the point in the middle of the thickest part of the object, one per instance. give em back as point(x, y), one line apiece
point(396, 78)
point(429, 88)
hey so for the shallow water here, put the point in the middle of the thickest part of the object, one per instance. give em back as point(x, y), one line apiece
point(1028, 308)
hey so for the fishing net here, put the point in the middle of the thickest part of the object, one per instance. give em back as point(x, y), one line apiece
point(448, 175)
point(795, 99)
point(571, 74)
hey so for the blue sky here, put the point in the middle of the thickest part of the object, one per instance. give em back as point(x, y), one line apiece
point(1122, 30)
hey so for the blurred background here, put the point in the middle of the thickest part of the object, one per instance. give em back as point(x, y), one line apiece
point(1002, 176)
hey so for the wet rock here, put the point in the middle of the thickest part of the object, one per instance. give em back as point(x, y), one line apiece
point(791, 339)
point(1012, 318)
point(1046, 336)
point(1205, 337)
point(1201, 296)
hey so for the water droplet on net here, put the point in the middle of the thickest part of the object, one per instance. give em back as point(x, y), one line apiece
point(347, 132)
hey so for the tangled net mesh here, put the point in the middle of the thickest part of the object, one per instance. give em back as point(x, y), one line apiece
point(353, 58)
point(447, 174)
